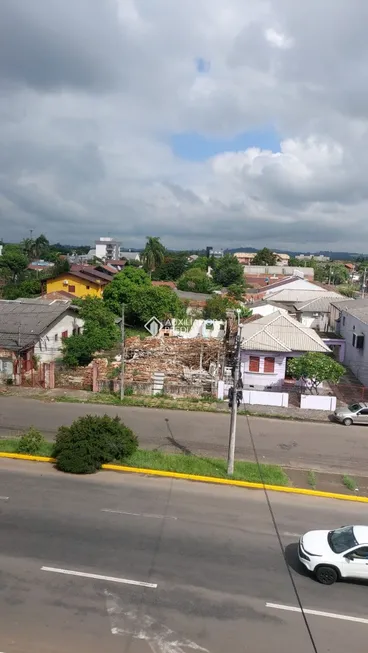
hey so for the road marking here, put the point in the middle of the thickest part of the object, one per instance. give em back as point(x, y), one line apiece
point(287, 534)
point(160, 638)
point(4, 498)
point(317, 613)
point(111, 579)
point(138, 514)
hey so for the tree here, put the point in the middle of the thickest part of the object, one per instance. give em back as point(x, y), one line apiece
point(236, 291)
point(228, 271)
point(313, 368)
point(61, 266)
point(216, 307)
point(202, 262)
point(13, 262)
point(153, 253)
point(195, 280)
point(28, 248)
point(338, 274)
point(100, 332)
point(172, 268)
point(155, 301)
point(42, 247)
point(122, 288)
point(347, 291)
point(264, 257)
point(26, 288)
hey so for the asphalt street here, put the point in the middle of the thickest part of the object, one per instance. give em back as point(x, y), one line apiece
point(129, 564)
point(307, 445)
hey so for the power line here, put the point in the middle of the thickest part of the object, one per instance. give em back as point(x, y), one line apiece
point(276, 528)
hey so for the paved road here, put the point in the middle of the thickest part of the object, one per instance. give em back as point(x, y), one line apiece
point(306, 445)
point(210, 553)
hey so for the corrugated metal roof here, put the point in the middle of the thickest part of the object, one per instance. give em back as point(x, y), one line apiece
point(280, 332)
point(356, 307)
point(21, 324)
point(294, 295)
point(321, 304)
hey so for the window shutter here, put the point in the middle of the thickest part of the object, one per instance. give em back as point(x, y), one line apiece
point(254, 363)
point(269, 365)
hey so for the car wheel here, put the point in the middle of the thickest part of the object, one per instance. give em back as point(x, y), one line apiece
point(347, 422)
point(326, 575)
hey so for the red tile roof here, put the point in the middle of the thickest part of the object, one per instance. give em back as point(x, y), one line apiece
point(58, 294)
point(86, 277)
point(91, 272)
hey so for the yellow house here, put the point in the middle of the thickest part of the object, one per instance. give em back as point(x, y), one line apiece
point(79, 283)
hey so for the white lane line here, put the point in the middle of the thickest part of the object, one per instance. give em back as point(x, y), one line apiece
point(4, 498)
point(287, 534)
point(318, 613)
point(111, 579)
point(138, 514)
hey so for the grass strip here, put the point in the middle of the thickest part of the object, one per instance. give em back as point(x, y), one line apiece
point(181, 463)
point(201, 466)
point(10, 445)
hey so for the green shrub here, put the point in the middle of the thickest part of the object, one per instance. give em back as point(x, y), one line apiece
point(30, 442)
point(128, 391)
point(92, 441)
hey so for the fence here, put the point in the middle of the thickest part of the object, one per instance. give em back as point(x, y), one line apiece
point(318, 402)
point(261, 398)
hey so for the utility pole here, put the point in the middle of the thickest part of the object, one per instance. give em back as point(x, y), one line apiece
point(234, 407)
point(364, 282)
point(122, 370)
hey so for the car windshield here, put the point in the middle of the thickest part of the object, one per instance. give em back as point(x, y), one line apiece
point(354, 407)
point(342, 539)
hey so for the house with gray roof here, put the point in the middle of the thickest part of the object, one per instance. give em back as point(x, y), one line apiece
point(310, 307)
point(268, 343)
point(33, 331)
point(352, 325)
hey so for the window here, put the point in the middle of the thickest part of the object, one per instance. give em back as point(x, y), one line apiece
point(362, 552)
point(343, 321)
point(363, 412)
point(71, 288)
point(253, 363)
point(56, 337)
point(269, 365)
point(88, 287)
point(342, 539)
point(358, 341)
point(64, 334)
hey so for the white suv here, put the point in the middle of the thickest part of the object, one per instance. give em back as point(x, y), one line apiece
point(331, 555)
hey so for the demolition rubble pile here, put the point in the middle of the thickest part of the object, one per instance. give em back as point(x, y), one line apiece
point(103, 369)
point(181, 360)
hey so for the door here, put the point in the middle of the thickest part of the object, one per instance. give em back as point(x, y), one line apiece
point(362, 416)
point(356, 566)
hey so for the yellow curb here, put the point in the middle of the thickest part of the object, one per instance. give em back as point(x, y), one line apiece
point(201, 479)
point(227, 481)
point(24, 456)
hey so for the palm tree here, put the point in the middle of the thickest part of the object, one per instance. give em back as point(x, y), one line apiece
point(153, 254)
point(28, 247)
point(41, 246)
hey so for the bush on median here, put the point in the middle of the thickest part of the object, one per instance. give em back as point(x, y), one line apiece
point(30, 442)
point(92, 441)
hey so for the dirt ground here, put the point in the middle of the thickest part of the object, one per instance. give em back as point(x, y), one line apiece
point(328, 482)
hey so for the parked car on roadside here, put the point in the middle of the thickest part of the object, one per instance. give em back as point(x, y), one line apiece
point(353, 414)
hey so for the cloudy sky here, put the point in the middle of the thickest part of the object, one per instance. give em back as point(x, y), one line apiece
point(203, 122)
